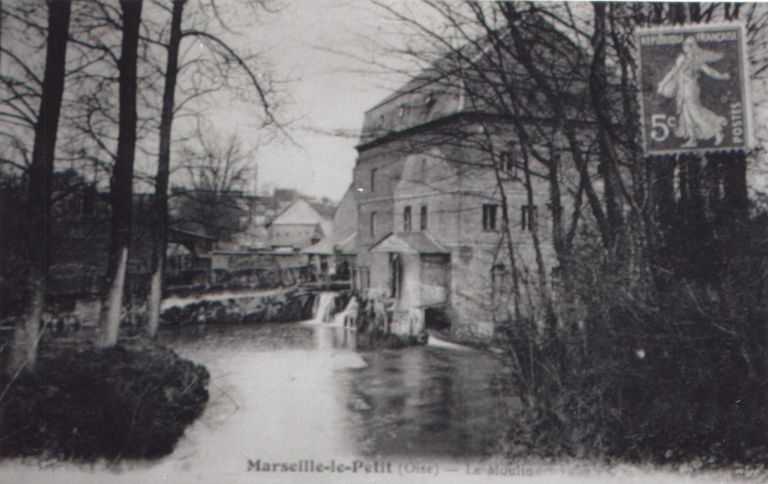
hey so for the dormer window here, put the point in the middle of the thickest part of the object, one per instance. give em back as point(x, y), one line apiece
point(401, 111)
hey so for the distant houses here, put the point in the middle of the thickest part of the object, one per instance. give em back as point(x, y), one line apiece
point(210, 236)
point(298, 226)
point(214, 239)
point(333, 256)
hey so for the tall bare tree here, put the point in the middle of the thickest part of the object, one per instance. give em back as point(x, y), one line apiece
point(122, 177)
point(23, 355)
point(218, 172)
point(160, 222)
point(225, 56)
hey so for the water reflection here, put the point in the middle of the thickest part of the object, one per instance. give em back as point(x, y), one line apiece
point(420, 401)
point(429, 402)
point(300, 391)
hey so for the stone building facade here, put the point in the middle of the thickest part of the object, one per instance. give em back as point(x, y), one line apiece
point(432, 177)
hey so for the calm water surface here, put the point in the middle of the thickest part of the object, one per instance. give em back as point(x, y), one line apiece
point(290, 391)
point(302, 387)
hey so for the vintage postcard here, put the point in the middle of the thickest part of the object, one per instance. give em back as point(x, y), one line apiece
point(383, 241)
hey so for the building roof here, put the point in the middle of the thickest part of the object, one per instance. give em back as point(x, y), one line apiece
point(325, 209)
point(348, 246)
point(300, 212)
point(345, 215)
point(187, 234)
point(461, 83)
point(409, 243)
point(324, 247)
point(173, 249)
point(326, 227)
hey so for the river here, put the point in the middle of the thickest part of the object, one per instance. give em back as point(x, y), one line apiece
point(299, 394)
point(301, 390)
point(283, 392)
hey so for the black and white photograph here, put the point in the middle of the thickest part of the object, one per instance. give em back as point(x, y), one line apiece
point(383, 241)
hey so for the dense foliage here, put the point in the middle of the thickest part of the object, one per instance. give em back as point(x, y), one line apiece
point(133, 400)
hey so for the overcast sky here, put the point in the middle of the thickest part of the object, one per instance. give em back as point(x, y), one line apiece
point(329, 92)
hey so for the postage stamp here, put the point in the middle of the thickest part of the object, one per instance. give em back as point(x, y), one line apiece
point(694, 88)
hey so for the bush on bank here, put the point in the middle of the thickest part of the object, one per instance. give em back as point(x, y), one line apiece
point(675, 376)
point(130, 401)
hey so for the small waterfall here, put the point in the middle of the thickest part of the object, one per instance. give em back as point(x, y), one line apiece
point(324, 303)
point(349, 312)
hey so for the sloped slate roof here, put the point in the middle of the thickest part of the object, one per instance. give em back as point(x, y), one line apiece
point(326, 226)
point(324, 247)
point(300, 212)
point(349, 245)
point(409, 243)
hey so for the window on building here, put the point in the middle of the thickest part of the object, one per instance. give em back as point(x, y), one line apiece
point(396, 275)
point(407, 218)
point(489, 216)
point(423, 219)
point(528, 217)
point(508, 164)
point(499, 281)
point(373, 224)
point(373, 179)
point(498, 274)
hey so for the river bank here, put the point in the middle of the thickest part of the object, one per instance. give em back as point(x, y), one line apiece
point(83, 403)
point(251, 307)
point(300, 390)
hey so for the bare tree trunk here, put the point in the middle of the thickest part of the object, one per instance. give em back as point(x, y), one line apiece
point(24, 352)
point(534, 229)
point(556, 205)
point(122, 178)
point(160, 225)
point(598, 97)
point(526, 60)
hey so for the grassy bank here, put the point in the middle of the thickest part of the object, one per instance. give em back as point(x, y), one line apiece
point(130, 401)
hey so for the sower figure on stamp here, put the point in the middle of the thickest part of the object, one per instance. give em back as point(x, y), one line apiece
point(695, 122)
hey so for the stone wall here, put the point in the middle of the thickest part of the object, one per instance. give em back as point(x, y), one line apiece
point(275, 306)
point(453, 183)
